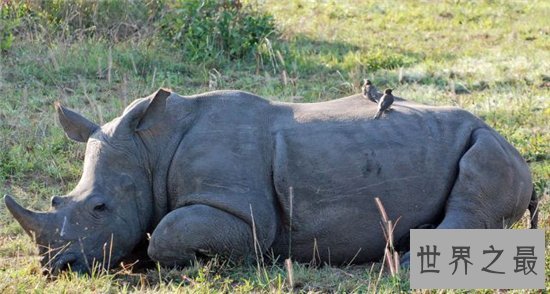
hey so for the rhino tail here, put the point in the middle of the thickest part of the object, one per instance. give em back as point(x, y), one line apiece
point(534, 209)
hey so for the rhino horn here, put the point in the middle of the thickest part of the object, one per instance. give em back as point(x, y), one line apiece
point(31, 221)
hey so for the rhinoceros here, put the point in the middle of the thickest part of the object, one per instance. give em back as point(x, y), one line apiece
point(232, 174)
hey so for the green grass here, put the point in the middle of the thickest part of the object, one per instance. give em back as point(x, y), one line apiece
point(489, 57)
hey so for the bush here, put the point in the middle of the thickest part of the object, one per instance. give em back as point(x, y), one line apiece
point(202, 29)
point(206, 28)
point(114, 20)
point(11, 19)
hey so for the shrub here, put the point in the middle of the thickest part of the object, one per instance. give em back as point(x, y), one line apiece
point(205, 28)
point(202, 29)
point(11, 19)
point(113, 20)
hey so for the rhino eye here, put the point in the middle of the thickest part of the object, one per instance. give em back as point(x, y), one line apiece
point(100, 207)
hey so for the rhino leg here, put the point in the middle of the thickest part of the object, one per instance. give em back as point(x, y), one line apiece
point(492, 190)
point(199, 230)
point(405, 260)
point(493, 186)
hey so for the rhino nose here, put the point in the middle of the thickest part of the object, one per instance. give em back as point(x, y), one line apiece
point(64, 263)
point(56, 201)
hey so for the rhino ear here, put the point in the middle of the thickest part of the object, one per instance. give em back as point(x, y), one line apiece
point(153, 113)
point(75, 125)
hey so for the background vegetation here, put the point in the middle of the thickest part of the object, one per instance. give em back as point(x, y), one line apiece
point(490, 57)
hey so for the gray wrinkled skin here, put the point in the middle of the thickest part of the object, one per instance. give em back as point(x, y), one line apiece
point(200, 172)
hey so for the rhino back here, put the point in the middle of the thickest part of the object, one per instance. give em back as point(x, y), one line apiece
point(337, 159)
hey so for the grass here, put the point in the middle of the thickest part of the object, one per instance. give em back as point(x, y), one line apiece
point(489, 57)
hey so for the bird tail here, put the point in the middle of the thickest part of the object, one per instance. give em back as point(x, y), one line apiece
point(378, 114)
point(371, 98)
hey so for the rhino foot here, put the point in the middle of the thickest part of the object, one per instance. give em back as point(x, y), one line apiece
point(405, 261)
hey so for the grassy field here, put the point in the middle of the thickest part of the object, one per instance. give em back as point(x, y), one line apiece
point(489, 57)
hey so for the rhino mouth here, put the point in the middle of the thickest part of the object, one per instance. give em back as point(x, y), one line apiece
point(66, 262)
point(57, 260)
point(70, 262)
point(67, 259)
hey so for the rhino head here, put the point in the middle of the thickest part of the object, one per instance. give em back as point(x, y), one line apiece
point(110, 210)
